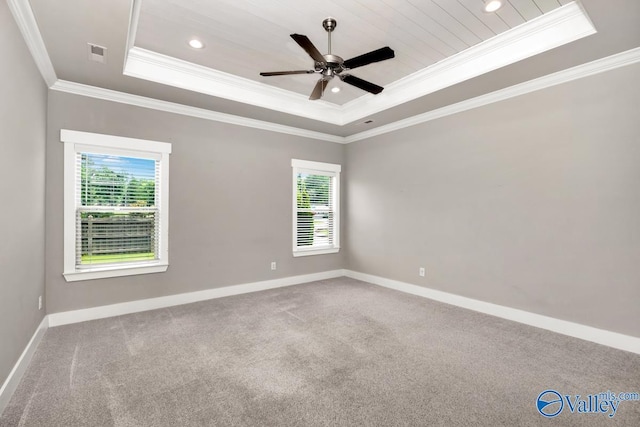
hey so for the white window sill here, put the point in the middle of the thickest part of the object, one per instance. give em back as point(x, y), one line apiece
point(118, 271)
point(307, 252)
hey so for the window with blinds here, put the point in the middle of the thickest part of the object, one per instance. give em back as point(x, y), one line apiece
point(117, 212)
point(315, 207)
point(116, 206)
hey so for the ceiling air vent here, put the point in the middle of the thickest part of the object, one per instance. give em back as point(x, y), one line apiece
point(366, 122)
point(97, 53)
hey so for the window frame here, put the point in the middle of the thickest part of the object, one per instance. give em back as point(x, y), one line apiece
point(78, 142)
point(316, 168)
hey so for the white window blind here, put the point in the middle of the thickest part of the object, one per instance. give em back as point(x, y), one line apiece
point(116, 208)
point(316, 207)
point(117, 213)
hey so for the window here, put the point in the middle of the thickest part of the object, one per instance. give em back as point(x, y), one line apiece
point(316, 208)
point(115, 205)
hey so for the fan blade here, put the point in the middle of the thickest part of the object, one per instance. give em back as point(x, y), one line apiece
point(286, 73)
point(306, 44)
point(368, 58)
point(362, 84)
point(319, 89)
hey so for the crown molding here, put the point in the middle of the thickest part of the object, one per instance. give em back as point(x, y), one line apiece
point(556, 28)
point(134, 17)
point(185, 110)
point(153, 66)
point(609, 63)
point(26, 21)
point(595, 67)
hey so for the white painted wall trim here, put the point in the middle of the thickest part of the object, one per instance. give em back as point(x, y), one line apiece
point(185, 110)
point(12, 381)
point(576, 330)
point(76, 142)
point(75, 316)
point(134, 17)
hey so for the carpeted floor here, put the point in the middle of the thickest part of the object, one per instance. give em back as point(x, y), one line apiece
point(336, 352)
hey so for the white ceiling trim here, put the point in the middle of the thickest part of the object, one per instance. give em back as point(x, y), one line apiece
point(26, 21)
point(185, 110)
point(558, 27)
point(585, 70)
point(595, 67)
point(153, 66)
point(134, 15)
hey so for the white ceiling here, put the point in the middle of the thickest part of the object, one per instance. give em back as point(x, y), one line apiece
point(447, 51)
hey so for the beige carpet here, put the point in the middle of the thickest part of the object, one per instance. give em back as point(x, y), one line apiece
point(337, 352)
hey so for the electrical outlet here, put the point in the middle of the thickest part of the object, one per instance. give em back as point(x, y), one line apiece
point(40, 302)
point(273, 265)
point(421, 272)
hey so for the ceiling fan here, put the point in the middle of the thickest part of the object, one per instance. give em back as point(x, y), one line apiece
point(330, 66)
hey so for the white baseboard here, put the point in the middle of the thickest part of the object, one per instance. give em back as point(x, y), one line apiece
point(101, 312)
point(576, 330)
point(12, 381)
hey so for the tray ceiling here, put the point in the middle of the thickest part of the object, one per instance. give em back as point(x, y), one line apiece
point(245, 37)
point(446, 51)
point(241, 39)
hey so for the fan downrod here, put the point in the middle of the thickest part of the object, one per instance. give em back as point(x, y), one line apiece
point(329, 25)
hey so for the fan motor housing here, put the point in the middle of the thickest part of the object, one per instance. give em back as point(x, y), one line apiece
point(333, 61)
point(332, 66)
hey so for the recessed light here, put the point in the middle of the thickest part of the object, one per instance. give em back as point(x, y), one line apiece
point(335, 89)
point(492, 5)
point(196, 44)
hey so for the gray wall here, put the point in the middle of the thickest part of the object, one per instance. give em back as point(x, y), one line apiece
point(23, 100)
point(532, 203)
point(230, 202)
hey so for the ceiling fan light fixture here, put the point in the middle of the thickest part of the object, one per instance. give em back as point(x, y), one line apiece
point(492, 5)
point(330, 66)
point(196, 44)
